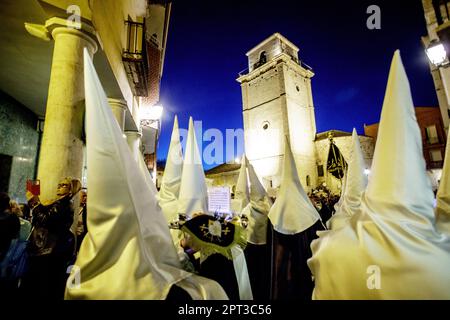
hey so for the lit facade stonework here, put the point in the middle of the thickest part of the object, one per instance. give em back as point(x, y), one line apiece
point(343, 140)
point(227, 174)
point(277, 102)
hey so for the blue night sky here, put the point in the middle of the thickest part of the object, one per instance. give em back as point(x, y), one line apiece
point(208, 40)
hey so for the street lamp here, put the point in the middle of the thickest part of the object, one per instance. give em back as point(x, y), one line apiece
point(150, 114)
point(150, 126)
point(436, 53)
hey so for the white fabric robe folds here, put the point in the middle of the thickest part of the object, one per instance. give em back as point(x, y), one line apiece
point(128, 252)
point(390, 248)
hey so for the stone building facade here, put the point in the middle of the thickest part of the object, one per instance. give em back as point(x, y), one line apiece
point(42, 72)
point(277, 103)
point(343, 140)
point(227, 174)
point(223, 175)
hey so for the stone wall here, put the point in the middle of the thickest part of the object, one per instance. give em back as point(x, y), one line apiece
point(345, 145)
point(276, 103)
point(302, 124)
point(19, 141)
point(305, 168)
point(228, 179)
point(264, 121)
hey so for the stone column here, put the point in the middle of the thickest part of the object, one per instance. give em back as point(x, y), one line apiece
point(119, 108)
point(134, 142)
point(62, 148)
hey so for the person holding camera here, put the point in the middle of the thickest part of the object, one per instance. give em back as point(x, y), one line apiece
point(51, 244)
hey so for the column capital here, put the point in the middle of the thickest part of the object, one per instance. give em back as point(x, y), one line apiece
point(119, 108)
point(119, 103)
point(56, 26)
point(134, 134)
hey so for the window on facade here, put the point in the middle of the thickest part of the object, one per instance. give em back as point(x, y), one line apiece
point(431, 134)
point(263, 57)
point(308, 181)
point(320, 170)
point(436, 155)
point(135, 37)
point(441, 10)
point(262, 60)
point(265, 125)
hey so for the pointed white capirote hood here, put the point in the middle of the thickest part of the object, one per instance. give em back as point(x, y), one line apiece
point(356, 183)
point(443, 195)
point(193, 197)
point(292, 211)
point(341, 199)
point(257, 210)
point(257, 191)
point(242, 190)
point(392, 236)
point(171, 180)
point(128, 252)
point(242, 194)
point(399, 186)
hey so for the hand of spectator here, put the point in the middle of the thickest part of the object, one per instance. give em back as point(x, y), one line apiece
point(32, 199)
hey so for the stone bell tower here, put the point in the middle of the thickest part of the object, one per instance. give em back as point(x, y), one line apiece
point(277, 101)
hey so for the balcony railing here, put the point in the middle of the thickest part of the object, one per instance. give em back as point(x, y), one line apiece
point(243, 72)
point(134, 58)
point(304, 65)
point(441, 9)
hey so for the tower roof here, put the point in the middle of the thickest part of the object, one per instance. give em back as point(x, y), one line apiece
point(275, 35)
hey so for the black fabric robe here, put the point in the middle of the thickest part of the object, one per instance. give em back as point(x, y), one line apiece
point(291, 278)
point(221, 269)
point(257, 257)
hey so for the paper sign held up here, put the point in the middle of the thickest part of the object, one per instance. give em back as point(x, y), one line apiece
point(219, 199)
